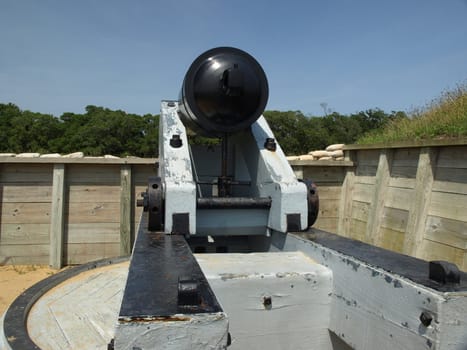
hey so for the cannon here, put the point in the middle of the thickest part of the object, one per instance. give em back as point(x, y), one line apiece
point(272, 283)
point(244, 185)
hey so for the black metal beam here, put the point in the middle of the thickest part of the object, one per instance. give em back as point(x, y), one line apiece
point(164, 279)
point(233, 203)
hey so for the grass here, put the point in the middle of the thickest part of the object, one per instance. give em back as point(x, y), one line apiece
point(443, 118)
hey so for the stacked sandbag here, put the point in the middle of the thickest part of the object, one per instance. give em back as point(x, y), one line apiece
point(336, 150)
point(332, 152)
point(302, 157)
point(56, 155)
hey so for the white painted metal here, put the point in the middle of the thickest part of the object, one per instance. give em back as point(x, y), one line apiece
point(277, 180)
point(272, 176)
point(232, 222)
point(376, 309)
point(268, 171)
point(175, 168)
point(299, 290)
point(197, 332)
point(367, 307)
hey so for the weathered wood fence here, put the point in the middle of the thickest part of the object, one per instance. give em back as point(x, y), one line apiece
point(411, 198)
point(69, 211)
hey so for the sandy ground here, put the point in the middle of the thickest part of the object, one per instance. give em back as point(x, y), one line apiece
point(14, 279)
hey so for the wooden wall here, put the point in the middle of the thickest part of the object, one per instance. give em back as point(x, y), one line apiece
point(26, 195)
point(329, 177)
point(69, 211)
point(409, 198)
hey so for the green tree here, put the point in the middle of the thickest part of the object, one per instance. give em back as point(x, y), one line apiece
point(25, 131)
point(290, 129)
point(103, 131)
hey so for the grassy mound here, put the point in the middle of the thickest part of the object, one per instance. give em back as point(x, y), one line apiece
point(444, 118)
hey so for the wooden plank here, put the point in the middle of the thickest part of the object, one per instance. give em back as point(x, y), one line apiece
point(363, 192)
point(360, 211)
point(81, 312)
point(318, 163)
point(357, 229)
point(324, 174)
point(24, 234)
point(365, 174)
point(125, 210)
point(452, 180)
point(402, 182)
point(26, 193)
point(420, 201)
point(29, 173)
point(93, 174)
point(399, 198)
point(19, 213)
point(395, 219)
point(84, 161)
point(403, 176)
point(93, 193)
point(368, 157)
point(446, 231)
point(449, 205)
point(392, 239)
point(141, 174)
point(406, 157)
point(57, 216)
point(436, 251)
point(86, 252)
point(453, 157)
point(345, 202)
point(93, 212)
point(326, 224)
point(329, 208)
point(377, 202)
point(331, 192)
point(24, 253)
point(93, 233)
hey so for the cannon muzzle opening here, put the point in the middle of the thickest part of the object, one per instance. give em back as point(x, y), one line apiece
point(224, 91)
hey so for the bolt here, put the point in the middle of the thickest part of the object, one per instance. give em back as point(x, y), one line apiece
point(267, 302)
point(426, 318)
point(188, 292)
point(270, 144)
point(176, 141)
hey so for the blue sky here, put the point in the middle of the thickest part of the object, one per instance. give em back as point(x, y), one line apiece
point(59, 56)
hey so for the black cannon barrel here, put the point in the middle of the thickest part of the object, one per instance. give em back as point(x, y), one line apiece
point(224, 91)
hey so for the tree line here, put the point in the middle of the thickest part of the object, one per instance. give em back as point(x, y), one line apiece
point(101, 131)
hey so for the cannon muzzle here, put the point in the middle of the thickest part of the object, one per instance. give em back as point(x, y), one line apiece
point(224, 91)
